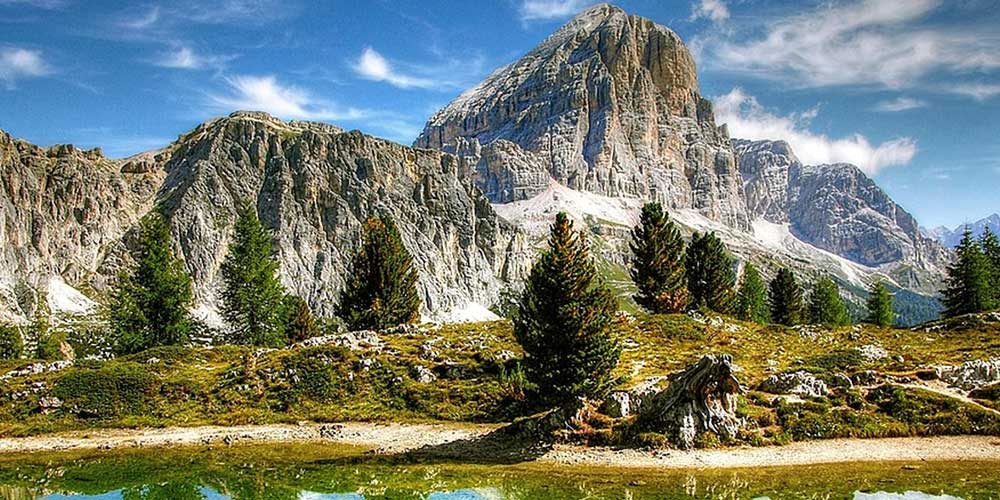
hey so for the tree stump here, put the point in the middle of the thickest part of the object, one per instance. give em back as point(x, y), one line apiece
point(702, 398)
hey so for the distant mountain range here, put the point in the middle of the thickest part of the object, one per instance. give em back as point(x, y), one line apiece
point(951, 237)
point(602, 116)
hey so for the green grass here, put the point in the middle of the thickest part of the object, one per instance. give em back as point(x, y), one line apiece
point(230, 385)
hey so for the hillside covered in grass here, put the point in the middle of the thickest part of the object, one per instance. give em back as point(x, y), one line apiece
point(807, 382)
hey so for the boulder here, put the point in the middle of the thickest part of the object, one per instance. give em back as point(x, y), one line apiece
point(422, 374)
point(798, 383)
point(971, 374)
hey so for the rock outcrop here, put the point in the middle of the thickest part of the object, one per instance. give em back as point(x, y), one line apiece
point(608, 104)
point(67, 213)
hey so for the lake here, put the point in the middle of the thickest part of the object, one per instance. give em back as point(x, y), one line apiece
point(316, 472)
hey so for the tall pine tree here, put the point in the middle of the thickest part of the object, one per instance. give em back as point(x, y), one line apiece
point(149, 306)
point(658, 262)
point(565, 322)
point(785, 298)
point(825, 305)
point(991, 250)
point(752, 298)
point(252, 296)
point(381, 291)
point(710, 274)
point(967, 287)
point(880, 310)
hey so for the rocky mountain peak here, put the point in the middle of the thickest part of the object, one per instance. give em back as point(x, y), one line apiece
point(608, 104)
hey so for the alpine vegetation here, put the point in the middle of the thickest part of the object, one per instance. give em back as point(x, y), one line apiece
point(565, 322)
point(751, 301)
point(658, 262)
point(880, 305)
point(825, 305)
point(710, 274)
point(785, 298)
point(381, 290)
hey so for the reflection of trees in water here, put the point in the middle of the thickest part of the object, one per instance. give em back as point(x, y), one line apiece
point(173, 490)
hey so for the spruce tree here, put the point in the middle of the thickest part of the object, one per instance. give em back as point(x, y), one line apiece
point(825, 305)
point(785, 298)
point(299, 323)
point(149, 306)
point(752, 298)
point(710, 274)
point(381, 291)
point(252, 295)
point(991, 250)
point(967, 287)
point(880, 310)
point(565, 322)
point(658, 262)
point(11, 343)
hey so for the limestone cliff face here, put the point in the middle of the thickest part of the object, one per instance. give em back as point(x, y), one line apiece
point(68, 213)
point(63, 212)
point(608, 104)
point(836, 208)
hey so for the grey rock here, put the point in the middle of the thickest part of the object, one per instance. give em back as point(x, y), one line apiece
point(609, 104)
point(798, 383)
point(971, 374)
point(618, 404)
point(422, 374)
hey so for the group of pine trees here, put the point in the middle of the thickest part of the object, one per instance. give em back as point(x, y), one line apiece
point(673, 278)
point(973, 283)
point(150, 305)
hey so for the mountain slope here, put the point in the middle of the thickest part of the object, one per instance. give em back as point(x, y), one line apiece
point(608, 104)
point(312, 184)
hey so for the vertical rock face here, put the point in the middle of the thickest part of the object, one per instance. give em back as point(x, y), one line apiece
point(63, 212)
point(68, 213)
point(608, 104)
point(314, 185)
point(834, 207)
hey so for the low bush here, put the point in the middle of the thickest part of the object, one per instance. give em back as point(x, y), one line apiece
point(113, 390)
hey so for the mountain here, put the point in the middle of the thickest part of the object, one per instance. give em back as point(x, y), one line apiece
point(606, 114)
point(951, 237)
point(609, 104)
point(69, 215)
point(839, 209)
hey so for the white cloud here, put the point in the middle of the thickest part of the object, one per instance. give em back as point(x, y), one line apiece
point(17, 63)
point(372, 66)
point(541, 10)
point(41, 4)
point(144, 20)
point(182, 57)
point(864, 42)
point(899, 104)
point(747, 119)
point(977, 91)
point(265, 93)
point(713, 10)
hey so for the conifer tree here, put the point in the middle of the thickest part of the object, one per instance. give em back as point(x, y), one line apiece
point(967, 287)
point(880, 310)
point(381, 291)
point(752, 298)
point(149, 306)
point(785, 298)
point(564, 322)
point(252, 295)
point(299, 323)
point(658, 262)
point(825, 305)
point(991, 250)
point(710, 274)
point(11, 343)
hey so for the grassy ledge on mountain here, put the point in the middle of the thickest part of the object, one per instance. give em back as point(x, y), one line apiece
point(880, 382)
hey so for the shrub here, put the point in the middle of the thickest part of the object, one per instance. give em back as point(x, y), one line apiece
point(11, 344)
point(113, 390)
point(50, 346)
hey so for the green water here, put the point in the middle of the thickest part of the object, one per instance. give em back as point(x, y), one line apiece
point(327, 472)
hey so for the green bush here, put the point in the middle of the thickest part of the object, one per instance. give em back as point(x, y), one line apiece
point(50, 346)
point(111, 391)
point(11, 344)
point(929, 413)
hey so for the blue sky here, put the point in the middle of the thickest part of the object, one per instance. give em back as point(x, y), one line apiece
point(908, 90)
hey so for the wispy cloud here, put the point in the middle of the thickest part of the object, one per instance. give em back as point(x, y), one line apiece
point(544, 10)
point(977, 91)
point(265, 93)
point(18, 63)
point(40, 4)
point(184, 57)
point(713, 10)
point(899, 104)
point(864, 42)
point(116, 143)
point(143, 20)
point(373, 66)
point(748, 119)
